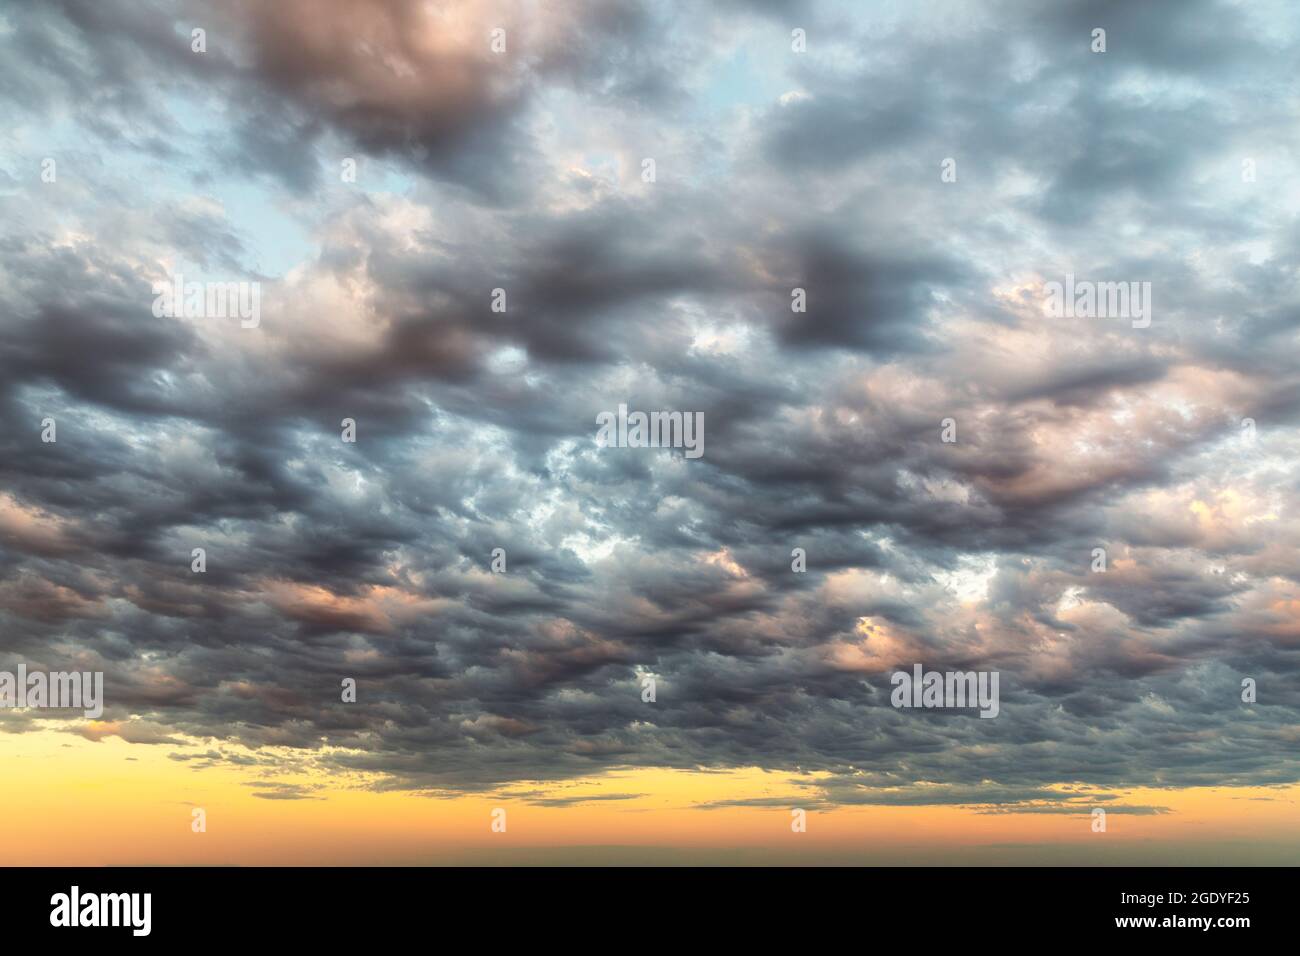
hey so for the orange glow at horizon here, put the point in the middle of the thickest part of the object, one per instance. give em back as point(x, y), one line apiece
point(73, 801)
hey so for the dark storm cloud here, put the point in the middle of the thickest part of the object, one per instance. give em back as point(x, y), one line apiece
point(476, 428)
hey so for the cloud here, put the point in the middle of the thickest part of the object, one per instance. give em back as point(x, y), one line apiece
point(476, 428)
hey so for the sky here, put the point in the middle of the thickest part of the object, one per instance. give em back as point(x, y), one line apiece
point(826, 231)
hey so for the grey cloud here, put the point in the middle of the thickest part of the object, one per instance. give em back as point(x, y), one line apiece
point(476, 429)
